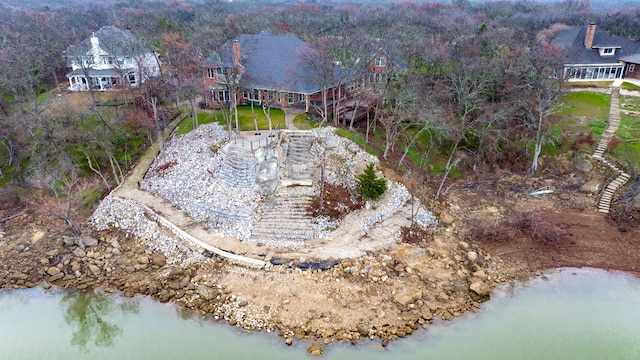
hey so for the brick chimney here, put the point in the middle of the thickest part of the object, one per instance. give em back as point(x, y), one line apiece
point(237, 52)
point(588, 37)
point(237, 58)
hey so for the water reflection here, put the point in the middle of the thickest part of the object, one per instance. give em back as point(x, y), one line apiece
point(570, 314)
point(90, 314)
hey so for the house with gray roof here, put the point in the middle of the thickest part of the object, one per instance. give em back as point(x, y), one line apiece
point(277, 70)
point(108, 59)
point(594, 55)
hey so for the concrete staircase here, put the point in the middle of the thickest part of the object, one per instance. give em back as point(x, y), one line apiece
point(283, 220)
point(239, 168)
point(604, 203)
point(298, 154)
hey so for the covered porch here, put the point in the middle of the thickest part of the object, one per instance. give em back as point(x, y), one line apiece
point(593, 72)
point(101, 80)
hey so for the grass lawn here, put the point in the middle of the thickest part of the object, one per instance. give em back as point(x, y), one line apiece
point(630, 86)
point(245, 119)
point(583, 111)
point(628, 148)
point(591, 84)
point(358, 139)
point(630, 103)
point(304, 122)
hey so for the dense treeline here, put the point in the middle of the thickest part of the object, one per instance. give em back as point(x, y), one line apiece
point(478, 82)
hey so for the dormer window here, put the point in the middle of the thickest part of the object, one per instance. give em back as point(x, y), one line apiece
point(381, 62)
point(607, 51)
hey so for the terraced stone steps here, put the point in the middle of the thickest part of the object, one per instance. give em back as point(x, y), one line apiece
point(284, 220)
point(239, 168)
point(299, 156)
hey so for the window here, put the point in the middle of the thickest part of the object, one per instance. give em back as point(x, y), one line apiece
point(381, 61)
point(219, 72)
point(210, 73)
point(250, 94)
point(220, 95)
point(378, 78)
point(632, 67)
point(607, 51)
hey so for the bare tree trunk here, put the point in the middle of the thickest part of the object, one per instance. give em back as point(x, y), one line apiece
point(353, 116)
point(450, 164)
point(97, 171)
point(159, 127)
point(194, 110)
point(267, 112)
point(538, 145)
point(235, 110)
point(406, 149)
point(325, 105)
point(366, 138)
point(55, 78)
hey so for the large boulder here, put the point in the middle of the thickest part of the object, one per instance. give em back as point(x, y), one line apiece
point(445, 218)
point(582, 164)
point(53, 270)
point(206, 292)
point(592, 187)
point(480, 287)
point(315, 349)
point(158, 259)
point(406, 298)
point(87, 241)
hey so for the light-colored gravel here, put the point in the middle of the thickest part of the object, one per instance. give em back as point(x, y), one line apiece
point(186, 174)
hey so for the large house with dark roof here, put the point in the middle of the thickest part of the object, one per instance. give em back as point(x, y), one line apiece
point(109, 58)
point(277, 70)
point(594, 55)
point(382, 69)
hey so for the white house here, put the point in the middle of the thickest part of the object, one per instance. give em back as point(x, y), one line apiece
point(108, 59)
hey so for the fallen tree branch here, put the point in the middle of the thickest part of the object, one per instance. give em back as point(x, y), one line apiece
point(13, 216)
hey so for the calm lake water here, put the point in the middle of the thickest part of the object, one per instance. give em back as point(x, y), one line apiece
point(570, 314)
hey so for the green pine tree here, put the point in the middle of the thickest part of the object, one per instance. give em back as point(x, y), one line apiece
point(370, 187)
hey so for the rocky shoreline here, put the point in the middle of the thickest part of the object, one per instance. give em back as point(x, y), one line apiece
point(400, 293)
